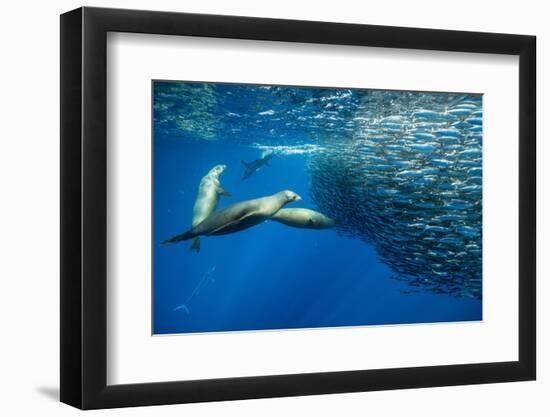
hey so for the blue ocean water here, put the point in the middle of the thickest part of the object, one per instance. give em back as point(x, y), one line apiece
point(271, 276)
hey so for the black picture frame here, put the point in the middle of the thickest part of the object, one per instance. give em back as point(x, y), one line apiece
point(84, 207)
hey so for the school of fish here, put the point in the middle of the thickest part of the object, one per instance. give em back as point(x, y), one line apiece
point(409, 181)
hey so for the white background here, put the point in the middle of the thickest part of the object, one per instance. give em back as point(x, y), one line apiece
point(29, 210)
point(134, 356)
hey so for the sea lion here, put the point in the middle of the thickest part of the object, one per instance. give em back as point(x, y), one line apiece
point(239, 216)
point(303, 218)
point(207, 199)
point(254, 166)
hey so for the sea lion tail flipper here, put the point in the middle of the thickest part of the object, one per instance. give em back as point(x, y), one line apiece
point(178, 238)
point(224, 193)
point(195, 245)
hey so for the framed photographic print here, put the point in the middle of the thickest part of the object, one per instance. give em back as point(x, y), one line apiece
point(257, 208)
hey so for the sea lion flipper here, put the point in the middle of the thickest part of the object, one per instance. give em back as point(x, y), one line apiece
point(178, 238)
point(246, 164)
point(195, 245)
point(222, 227)
point(224, 193)
point(228, 226)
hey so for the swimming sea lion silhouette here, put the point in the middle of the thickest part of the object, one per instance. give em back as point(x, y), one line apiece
point(254, 166)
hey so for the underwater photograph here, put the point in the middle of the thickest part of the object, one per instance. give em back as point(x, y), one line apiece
point(290, 207)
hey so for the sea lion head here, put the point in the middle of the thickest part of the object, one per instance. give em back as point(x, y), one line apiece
point(217, 170)
point(291, 196)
